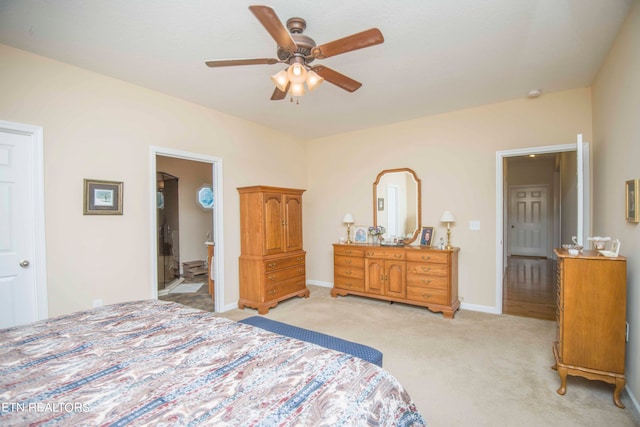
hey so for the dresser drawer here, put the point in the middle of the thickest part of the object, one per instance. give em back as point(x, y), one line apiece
point(429, 295)
point(430, 256)
point(274, 291)
point(385, 253)
point(348, 272)
point(428, 269)
point(284, 274)
point(350, 284)
point(425, 281)
point(347, 261)
point(348, 251)
point(279, 263)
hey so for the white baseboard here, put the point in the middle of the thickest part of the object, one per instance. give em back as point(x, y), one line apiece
point(320, 283)
point(481, 308)
point(634, 401)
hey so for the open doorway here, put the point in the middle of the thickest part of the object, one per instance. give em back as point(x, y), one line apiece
point(186, 226)
point(541, 198)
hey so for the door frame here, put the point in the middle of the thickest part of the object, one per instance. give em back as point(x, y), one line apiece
point(218, 230)
point(502, 208)
point(36, 168)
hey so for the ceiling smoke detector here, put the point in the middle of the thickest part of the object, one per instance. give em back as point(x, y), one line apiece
point(534, 93)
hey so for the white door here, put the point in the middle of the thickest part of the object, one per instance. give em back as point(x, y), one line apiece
point(528, 220)
point(22, 299)
point(584, 191)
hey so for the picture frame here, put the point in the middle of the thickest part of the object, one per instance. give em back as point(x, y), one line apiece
point(426, 236)
point(360, 234)
point(102, 197)
point(631, 197)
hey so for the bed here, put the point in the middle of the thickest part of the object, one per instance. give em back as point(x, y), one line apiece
point(161, 363)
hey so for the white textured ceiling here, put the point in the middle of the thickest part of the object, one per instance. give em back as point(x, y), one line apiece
point(438, 55)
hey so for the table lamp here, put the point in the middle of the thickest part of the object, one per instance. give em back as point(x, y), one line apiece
point(348, 219)
point(447, 217)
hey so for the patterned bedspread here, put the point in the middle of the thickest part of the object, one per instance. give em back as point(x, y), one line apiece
point(160, 363)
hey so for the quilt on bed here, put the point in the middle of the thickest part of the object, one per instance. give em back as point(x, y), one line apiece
point(161, 363)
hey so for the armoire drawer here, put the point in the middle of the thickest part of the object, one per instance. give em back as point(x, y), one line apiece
point(283, 262)
point(284, 288)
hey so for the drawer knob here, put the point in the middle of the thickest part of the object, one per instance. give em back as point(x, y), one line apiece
point(272, 277)
point(348, 272)
point(300, 270)
point(426, 296)
point(349, 284)
point(397, 255)
point(426, 258)
point(272, 265)
point(426, 269)
point(347, 252)
point(426, 282)
point(272, 292)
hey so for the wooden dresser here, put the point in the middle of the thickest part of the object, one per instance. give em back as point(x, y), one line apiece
point(272, 260)
point(409, 274)
point(591, 319)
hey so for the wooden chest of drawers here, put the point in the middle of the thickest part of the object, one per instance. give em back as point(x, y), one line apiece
point(410, 274)
point(591, 319)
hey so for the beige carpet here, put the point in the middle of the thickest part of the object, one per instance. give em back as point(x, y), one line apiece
point(475, 370)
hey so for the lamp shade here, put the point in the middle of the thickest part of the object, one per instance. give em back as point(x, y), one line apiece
point(296, 89)
point(297, 73)
point(348, 219)
point(313, 80)
point(447, 216)
point(281, 79)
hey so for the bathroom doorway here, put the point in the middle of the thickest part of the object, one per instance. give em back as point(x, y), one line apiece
point(200, 224)
point(168, 220)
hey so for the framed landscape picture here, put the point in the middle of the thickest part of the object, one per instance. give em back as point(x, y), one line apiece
point(102, 197)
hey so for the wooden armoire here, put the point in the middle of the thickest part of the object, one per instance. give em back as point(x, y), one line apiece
point(272, 259)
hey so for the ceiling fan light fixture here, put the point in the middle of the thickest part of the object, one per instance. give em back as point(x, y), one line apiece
point(313, 80)
point(297, 73)
point(296, 89)
point(281, 79)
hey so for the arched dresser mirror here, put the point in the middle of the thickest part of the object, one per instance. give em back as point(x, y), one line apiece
point(397, 204)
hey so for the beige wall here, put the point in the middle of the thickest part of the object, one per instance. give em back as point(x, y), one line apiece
point(616, 122)
point(102, 128)
point(454, 155)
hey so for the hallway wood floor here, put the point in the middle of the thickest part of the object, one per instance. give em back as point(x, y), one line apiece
point(529, 288)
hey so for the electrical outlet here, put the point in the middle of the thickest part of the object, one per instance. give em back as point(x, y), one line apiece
point(474, 225)
point(97, 302)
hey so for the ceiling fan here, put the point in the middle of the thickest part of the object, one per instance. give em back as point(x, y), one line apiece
point(299, 50)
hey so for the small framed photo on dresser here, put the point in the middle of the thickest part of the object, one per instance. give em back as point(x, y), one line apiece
point(360, 234)
point(426, 237)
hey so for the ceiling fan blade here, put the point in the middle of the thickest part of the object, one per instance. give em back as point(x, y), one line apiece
point(233, 62)
point(356, 41)
point(278, 94)
point(340, 80)
point(273, 25)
